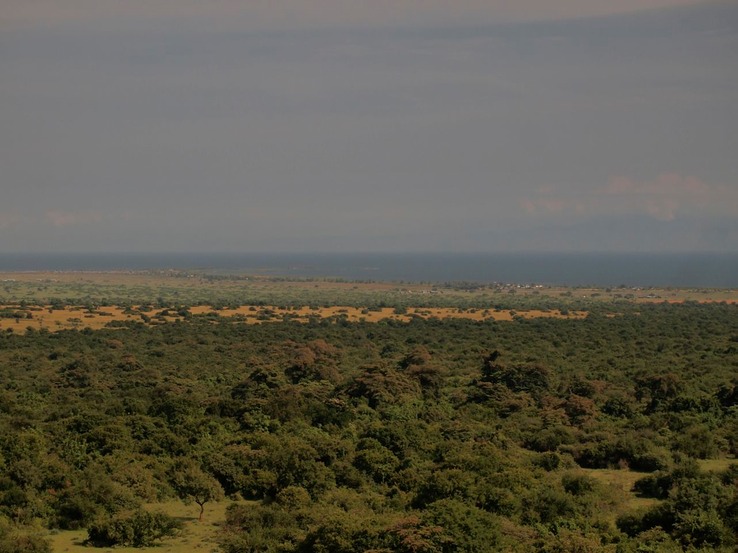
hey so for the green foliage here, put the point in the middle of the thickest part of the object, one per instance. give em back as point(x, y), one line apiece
point(342, 534)
point(549, 439)
point(381, 385)
point(464, 528)
point(193, 484)
point(567, 541)
point(534, 379)
point(635, 452)
point(697, 513)
point(549, 504)
point(138, 529)
point(376, 460)
point(15, 539)
point(548, 461)
point(697, 441)
point(412, 535)
point(384, 436)
point(293, 497)
point(76, 505)
point(578, 484)
point(260, 528)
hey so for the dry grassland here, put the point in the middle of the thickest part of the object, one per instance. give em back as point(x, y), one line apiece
point(193, 289)
point(621, 482)
point(72, 317)
point(183, 281)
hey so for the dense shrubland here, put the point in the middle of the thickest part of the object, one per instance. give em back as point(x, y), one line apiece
point(428, 436)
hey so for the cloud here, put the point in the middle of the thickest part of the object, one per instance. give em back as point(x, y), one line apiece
point(318, 13)
point(663, 198)
point(60, 218)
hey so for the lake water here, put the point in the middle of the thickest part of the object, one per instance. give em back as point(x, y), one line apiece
point(678, 270)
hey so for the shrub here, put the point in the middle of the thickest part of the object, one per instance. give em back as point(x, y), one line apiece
point(698, 441)
point(699, 528)
point(19, 541)
point(633, 524)
point(139, 529)
point(74, 511)
point(376, 460)
point(640, 454)
point(445, 484)
point(548, 461)
point(548, 505)
point(655, 485)
point(549, 439)
point(618, 407)
point(501, 501)
point(468, 528)
point(293, 497)
point(256, 528)
point(578, 484)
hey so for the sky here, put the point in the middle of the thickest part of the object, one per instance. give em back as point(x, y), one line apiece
point(368, 126)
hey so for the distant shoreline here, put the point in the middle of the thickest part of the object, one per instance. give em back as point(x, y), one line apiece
point(698, 270)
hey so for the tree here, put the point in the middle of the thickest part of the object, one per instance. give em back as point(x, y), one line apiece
point(193, 484)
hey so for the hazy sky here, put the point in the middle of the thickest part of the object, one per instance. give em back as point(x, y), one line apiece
point(383, 125)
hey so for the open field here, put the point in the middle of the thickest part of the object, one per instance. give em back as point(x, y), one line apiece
point(195, 536)
point(68, 317)
point(200, 289)
point(56, 301)
point(621, 481)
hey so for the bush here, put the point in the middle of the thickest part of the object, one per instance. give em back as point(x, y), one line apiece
point(18, 541)
point(74, 512)
point(640, 454)
point(470, 529)
point(633, 524)
point(549, 439)
point(700, 529)
point(376, 460)
point(445, 484)
point(698, 442)
point(578, 484)
point(256, 528)
point(548, 461)
point(501, 501)
point(140, 529)
point(656, 485)
point(548, 505)
point(293, 497)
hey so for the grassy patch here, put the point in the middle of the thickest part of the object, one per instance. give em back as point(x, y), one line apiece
point(620, 483)
point(195, 536)
point(716, 465)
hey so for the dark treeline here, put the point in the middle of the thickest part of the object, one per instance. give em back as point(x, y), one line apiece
point(421, 437)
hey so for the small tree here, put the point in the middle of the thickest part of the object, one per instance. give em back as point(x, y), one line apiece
point(193, 484)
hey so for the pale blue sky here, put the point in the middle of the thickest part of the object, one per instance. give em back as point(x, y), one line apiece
point(385, 126)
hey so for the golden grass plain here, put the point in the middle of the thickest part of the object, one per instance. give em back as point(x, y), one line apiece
point(35, 287)
point(76, 317)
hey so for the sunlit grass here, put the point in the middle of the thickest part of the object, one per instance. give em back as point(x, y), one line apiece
point(716, 465)
point(195, 536)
